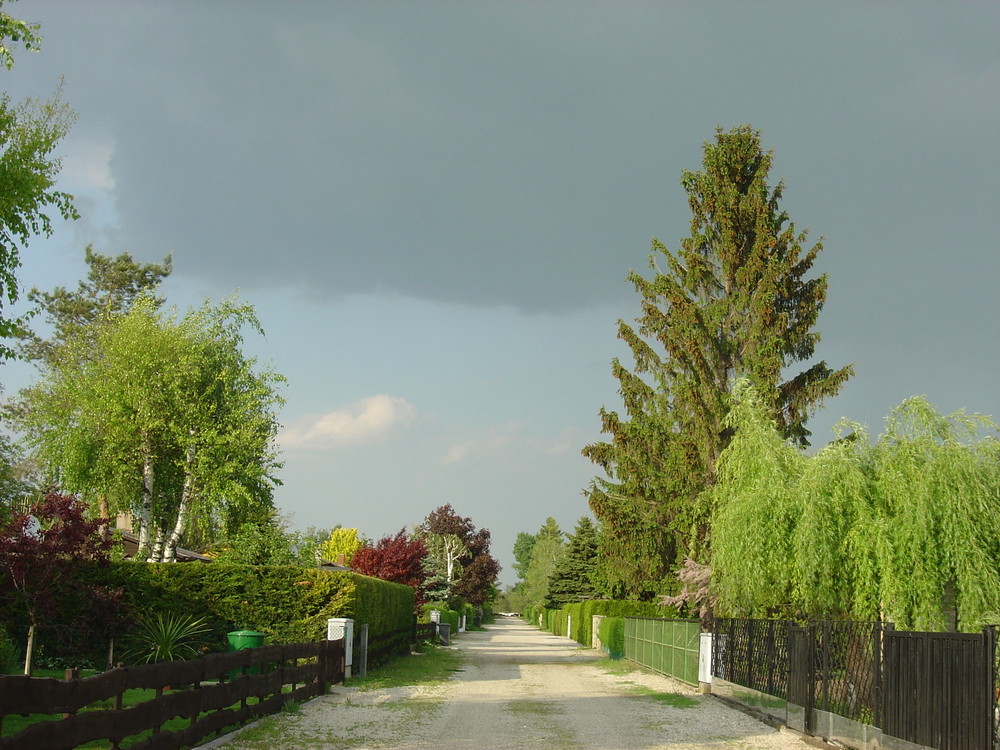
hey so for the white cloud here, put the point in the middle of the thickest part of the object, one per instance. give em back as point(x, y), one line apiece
point(366, 421)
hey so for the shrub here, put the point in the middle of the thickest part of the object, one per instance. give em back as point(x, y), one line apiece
point(447, 615)
point(168, 638)
point(10, 654)
point(612, 634)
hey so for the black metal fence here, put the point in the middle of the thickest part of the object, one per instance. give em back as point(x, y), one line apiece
point(938, 690)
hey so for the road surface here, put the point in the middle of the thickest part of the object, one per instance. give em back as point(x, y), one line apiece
point(519, 688)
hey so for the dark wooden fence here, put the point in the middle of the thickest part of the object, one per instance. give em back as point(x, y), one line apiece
point(937, 690)
point(381, 648)
point(214, 692)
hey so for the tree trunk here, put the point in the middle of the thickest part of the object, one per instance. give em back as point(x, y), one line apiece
point(146, 506)
point(170, 553)
point(29, 651)
point(102, 511)
point(156, 555)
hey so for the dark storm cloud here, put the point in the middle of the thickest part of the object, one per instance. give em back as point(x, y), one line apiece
point(523, 155)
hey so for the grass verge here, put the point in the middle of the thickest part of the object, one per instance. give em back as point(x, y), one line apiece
point(622, 668)
point(429, 665)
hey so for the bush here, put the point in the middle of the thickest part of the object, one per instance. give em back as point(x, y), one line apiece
point(10, 654)
point(447, 615)
point(588, 609)
point(612, 634)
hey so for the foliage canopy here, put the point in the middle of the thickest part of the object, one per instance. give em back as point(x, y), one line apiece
point(904, 529)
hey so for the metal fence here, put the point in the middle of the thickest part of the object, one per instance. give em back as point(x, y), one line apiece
point(939, 689)
point(936, 690)
point(667, 646)
point(752, 653)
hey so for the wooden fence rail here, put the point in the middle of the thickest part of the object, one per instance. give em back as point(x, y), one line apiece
point(425, 631)
point(383, 647)
point(213, 692)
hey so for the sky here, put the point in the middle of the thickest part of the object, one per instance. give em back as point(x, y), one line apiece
point(433, 207)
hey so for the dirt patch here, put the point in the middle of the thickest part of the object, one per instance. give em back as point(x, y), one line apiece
point(521, 688)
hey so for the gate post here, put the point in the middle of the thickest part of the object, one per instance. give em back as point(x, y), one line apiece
point(342, 627)
point(705, 663)
point(801, 677)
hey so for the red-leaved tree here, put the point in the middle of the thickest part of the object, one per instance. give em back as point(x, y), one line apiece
point(396, 558)
point(38, 550)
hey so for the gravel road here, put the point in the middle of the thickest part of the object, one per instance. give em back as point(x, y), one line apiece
point(520, 688)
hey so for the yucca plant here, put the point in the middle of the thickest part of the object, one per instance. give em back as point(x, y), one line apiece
point(168, 638)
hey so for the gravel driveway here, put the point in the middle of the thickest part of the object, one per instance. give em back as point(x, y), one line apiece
point(521, 688)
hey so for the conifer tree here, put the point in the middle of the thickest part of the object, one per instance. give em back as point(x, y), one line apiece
point(571, 579)
point(733, 302)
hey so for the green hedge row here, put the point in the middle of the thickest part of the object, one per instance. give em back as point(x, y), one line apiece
point(451, 616)
point(579, 616)
point(288, 604)
point(611, 631)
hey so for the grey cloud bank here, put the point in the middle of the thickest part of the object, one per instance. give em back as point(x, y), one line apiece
point(389, 178)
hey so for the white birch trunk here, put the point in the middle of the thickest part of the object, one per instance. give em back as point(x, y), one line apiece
point(29, 652)
point(146, 505)
point(170, 553)
point(161, 537)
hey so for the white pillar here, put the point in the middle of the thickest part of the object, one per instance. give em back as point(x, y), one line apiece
point(342, 627)
point(705, 664)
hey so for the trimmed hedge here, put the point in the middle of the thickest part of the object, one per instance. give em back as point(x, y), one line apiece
point(580, 616)
point(289, 604)
point(611, 631)
point(447, 615)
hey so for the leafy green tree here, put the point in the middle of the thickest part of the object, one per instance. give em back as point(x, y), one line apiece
point(265, 542)
point(16, 31)
point(341, 542)
point(571, 579)
point(904, 530)
point(733, 302)
point(29, 134)
point(548, 550)
point(524, 543)
point(170, 406)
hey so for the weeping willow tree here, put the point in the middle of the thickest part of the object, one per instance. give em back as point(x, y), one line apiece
point(936, 487)
point(906, 529)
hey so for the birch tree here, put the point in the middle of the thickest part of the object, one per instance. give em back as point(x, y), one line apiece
point(164, 416)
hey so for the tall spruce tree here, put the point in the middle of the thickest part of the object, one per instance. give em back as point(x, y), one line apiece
point(733, 302)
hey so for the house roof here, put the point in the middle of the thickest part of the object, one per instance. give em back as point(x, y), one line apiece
point(130, 545)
